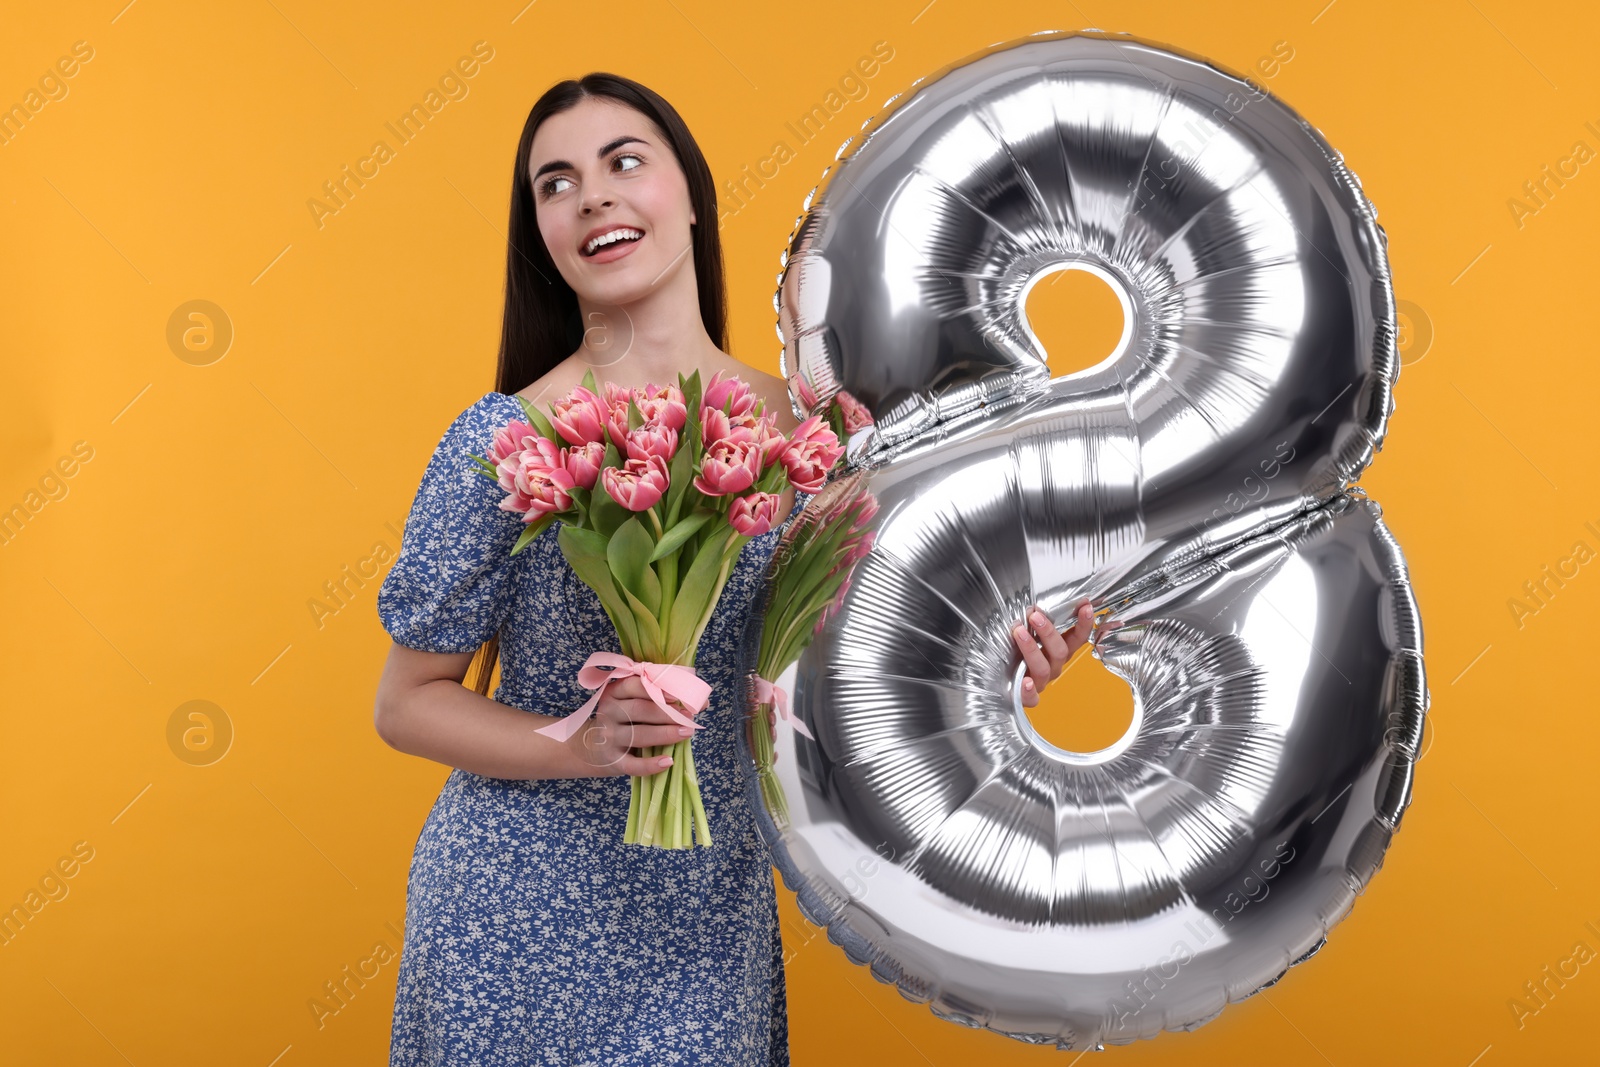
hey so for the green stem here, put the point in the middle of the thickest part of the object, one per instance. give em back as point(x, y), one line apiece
point(631, 832)
point(672, 801)
point(667, 572)
point(656, 787)
point(702, 822)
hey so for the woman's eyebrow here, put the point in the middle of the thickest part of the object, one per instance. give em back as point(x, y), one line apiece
point(604, 150)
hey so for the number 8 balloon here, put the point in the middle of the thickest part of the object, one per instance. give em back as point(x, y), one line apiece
point(1195, 486)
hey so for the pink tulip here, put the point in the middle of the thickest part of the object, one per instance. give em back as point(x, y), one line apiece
point(616, 405)
point(637, 484)
point(772, 441)
point(856, 416)
point(538, 489)
point(539, 453)
point(838, 597)
point(616, 396)
point(860, 549)
point(729, 466)
point(716, 426)
point(580, 417)
point(651, 440)
point(662, 405)
point(720, 390)
point(509, 440)
point(808, 395)
point(583, 462)
point(811, 453)
point(751, 515)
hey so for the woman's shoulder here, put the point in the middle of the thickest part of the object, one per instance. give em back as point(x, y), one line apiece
point(555, 383)
point(474, 427)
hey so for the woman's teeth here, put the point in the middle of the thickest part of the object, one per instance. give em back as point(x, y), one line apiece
point(610, 237)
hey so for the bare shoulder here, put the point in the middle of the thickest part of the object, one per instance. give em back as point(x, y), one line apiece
point(558, 382)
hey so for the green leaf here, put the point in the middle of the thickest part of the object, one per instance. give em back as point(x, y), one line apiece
point(635, 416)
point(605, 514)
point(537, 420)
point(650, 646)
point(588, 561)
point(580, 498)
point(588, 381)
point(590, 543)
point(773, 479)
point(680, 532)
point(679, 473)
point(628, 553)
point(532, 530)
point(691, 389)
point(694, 592)
point(484, 466)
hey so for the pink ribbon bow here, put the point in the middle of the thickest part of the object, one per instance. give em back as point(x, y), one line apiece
point(661, 680)
point(774, 694)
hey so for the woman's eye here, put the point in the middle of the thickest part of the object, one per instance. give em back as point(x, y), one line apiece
point(547, 187)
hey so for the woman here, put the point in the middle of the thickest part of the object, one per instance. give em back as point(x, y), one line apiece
point(533, 935)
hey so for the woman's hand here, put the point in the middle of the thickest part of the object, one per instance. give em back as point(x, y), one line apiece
point(1045, 650)
point(626, 719)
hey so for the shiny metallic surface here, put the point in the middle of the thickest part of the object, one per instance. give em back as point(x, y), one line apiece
point(1196, 486)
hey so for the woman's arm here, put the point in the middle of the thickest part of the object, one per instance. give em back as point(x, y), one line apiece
point(423, 709)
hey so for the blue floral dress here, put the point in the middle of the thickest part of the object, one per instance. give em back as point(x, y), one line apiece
point(533, 935)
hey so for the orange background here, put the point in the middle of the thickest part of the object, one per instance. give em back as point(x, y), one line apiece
point(176, 563)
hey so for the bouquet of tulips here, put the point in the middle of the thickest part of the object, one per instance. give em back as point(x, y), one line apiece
point(657, 490)
point(812, 572)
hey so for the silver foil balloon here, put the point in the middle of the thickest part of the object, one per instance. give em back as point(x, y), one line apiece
point(1196, 486)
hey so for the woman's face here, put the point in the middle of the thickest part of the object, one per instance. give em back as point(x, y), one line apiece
point(598, 167)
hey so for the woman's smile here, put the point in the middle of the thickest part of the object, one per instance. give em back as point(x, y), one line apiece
point(617, 246)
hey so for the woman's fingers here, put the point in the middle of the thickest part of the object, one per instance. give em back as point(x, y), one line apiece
point(642, 709)
point(625, 734)
point(1082, 626)
point(610, 746)
point(1050, 639)
point(1033, 656)
point(646, 736)
point(1030, 693)
point(629, 688)
point(642, 765)
point(1045, 649)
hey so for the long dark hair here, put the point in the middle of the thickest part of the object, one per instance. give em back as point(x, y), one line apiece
point(542, 324)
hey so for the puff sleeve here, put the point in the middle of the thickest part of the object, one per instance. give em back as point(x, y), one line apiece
point(454, 581)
